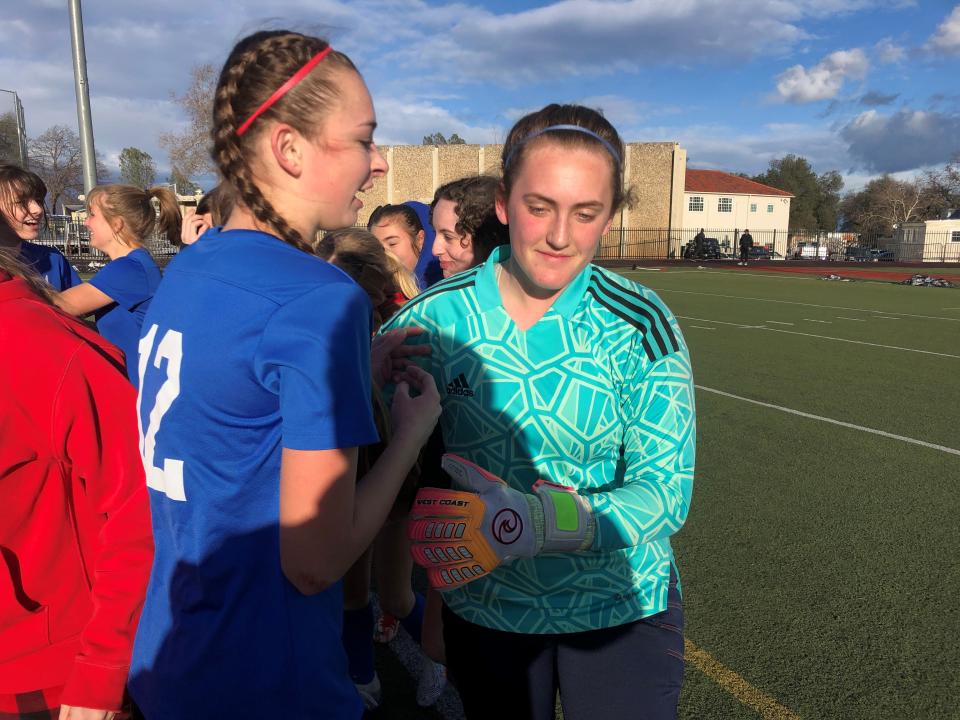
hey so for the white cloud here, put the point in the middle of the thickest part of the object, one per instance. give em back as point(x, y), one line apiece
point(887, 51)
point(406, 122)
point(905, 140)
point(947, 37)
point(575, 38)
point(824, 80)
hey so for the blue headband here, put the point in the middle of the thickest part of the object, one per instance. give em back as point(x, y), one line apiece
point(575, 128)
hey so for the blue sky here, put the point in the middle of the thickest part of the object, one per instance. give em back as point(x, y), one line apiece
point(858, 86)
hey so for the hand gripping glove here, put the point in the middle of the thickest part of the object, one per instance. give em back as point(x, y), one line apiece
point(462, 534)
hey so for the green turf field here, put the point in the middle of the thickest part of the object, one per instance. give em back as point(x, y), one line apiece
point(820, 562)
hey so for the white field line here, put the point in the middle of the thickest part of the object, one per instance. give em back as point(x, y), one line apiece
point(793, 302)
point(841, 423)
point(822, 337)
point(854, 319)
point(702, 327)
point(740, 273)
point(825, 322)
point(884, 317)
point(778, 322)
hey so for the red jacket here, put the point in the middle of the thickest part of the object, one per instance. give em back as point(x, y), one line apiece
point(75, 536)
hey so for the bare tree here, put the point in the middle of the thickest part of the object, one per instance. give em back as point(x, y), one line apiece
point(55, 157)
point(884, 204)
point(190, 150)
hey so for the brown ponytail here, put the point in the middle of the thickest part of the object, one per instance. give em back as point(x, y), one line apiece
point(133, 205)
point(257, 66)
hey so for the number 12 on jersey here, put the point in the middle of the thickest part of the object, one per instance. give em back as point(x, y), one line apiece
point(168, 479)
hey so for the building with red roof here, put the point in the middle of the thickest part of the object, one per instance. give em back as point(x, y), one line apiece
point(725, 205)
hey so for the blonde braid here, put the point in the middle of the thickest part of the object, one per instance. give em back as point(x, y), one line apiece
point(228, 152)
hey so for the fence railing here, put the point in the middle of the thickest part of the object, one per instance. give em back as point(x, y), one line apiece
point(73, 240)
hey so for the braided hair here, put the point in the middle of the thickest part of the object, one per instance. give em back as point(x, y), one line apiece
point(257, 66)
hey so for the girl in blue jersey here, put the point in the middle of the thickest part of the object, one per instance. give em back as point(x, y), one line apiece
point(569, 407)
point(119, 218)
point(22, 216)
point(255, 367)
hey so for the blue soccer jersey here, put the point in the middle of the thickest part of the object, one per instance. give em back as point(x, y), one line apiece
point(597, 395)
point(50, 263)
point(250, 346)
point(130, 281)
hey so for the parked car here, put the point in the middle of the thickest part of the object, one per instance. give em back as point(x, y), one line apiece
point(811, 251)
point(858, 253)
point(711, 250)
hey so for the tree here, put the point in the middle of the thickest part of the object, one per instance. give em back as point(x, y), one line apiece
point(884, 204)
point(942, 190)
point(55, 156)
point(816, 200)
point(184, 186)
point(190, 150)
point(437, 138)
point(137, 167)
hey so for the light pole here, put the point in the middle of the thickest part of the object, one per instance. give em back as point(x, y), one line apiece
point(82, 89)
point(21, 135)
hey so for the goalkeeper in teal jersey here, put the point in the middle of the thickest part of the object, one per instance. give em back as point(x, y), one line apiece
point(568, 416)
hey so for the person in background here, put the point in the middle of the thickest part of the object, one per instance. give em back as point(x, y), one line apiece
point(466, 225)
point(361, 256)
point(212, 211)
point(698, 243)
point(22, 216)
point(428, 271)
point(120, 218)
point(746, 242)
point(399, 230)
point(75, 527)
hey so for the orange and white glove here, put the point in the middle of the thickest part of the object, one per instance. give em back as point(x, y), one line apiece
point(462, 534)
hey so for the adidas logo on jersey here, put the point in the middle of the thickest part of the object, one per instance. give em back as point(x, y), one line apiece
point(459, 386)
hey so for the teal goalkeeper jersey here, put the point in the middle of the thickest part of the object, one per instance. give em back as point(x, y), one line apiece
point(597, 395)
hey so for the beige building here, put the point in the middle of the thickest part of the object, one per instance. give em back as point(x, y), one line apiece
point(930, 241)
point(725, 204)
point(655, 172)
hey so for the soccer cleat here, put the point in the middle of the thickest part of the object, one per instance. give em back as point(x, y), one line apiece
point(386, 628)
point(433, 679)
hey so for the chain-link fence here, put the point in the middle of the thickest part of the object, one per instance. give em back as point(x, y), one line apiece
point(73, 239)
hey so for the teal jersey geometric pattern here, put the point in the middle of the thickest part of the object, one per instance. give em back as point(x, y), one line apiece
point(598, 396)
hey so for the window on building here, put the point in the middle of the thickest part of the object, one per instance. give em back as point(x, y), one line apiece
point(769, 208)
point(955, 236)
point(696, 203)
point(725, 205)
point(753, 207)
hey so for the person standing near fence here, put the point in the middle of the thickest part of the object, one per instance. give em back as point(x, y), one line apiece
point(573, 384)
point(746, 242)
point(23, 214)
point(120, 218)
point(75, 525)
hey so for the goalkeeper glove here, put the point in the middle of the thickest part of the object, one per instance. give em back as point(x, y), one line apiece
point(462, 534)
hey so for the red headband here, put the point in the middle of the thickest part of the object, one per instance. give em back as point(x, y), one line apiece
point(284, 89)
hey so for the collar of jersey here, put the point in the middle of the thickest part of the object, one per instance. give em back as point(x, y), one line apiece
point(488, 294)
